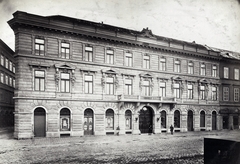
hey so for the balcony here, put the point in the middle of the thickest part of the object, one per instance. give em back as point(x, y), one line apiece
point(150, 99)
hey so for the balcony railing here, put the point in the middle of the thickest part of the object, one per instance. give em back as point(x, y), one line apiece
point(142, 98)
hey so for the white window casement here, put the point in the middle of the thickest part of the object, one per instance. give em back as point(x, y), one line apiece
point(14, 68)
point(65, 50)
point(65, 82)
point(236, 74)
point(2, 77)
point(128, 86)
point(177, 66)
point(110, 85)
point(162, 89)
point(190, 68)
point(202, 92)
point(10, 81)
point(6, 79)
point(10, 66)
point(110, 56)
point(88, 84)
point(190, 91)
point(39, 80)
point(39, 46)
point(236, 94)
point(89, 53)
point(14, 83)
point(176, 90)
point(162, 64)
point(2, 60)
point(146, 61)
point(214, 93)
point(146, 88)
point(214, 71)
point(225, 93)
point(6, 63)
point(225, 72)
point(203, 69)
point(128, 59)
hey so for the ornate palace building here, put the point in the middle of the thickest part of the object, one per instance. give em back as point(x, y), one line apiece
point(75, 77)
point(7, 84)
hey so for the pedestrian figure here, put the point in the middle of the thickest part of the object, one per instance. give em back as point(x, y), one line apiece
point(171, 129)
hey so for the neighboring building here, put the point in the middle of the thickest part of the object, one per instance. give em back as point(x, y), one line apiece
point(7, 83)
point(76, 77)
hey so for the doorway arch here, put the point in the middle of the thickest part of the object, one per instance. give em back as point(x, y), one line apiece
point(88, 122)
point(190, 120)
point(39, 122)
point(146, 120)
point(214, 120)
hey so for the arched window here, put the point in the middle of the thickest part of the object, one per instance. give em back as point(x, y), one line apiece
point(177, 119)
point(128, 120)
point(163, 119)
point(109, 119)
point(202, 119)
point(65, 119)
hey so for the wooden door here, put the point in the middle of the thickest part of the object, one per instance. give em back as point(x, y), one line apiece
point(39, 122)
point(214, 121)
point(88, 122)
point(190, 121)
point(145, 121)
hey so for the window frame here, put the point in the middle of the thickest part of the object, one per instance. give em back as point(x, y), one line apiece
point(109, 56)
point(225, 93)
point(128, 87)
point(177, 66)
point(65, 82)
point(236, 94)
point(214, 92)
point(214, 71)
point(203, 69)
point(89, 83)
point(190, 67)
point(236, 74)
point(202, 92)
point(162, 64)
point(176, 90)
point(190, 91)
point(146, 87)
point(110, 90)
point(37, 47)
point(41, 81)
point(89, 53)
point(3, 60)
point(146, 61)
point(225, 72)
point(65, 50)
point(162, 89)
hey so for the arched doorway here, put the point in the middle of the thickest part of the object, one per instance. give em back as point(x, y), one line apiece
point(163, 120)
point(214, 120)
point(88, 122)
point(176, 119)
point(39, 122)
point(128, 120)
point(65, 119)
point(146, 120)
point(109, 119)
point(190, 120)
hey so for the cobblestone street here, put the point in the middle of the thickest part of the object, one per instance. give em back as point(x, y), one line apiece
point(161, 148)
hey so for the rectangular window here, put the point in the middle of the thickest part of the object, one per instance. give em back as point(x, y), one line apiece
point(10, 81)
point(88, 84)
point(128, 86)
point(10, 65)
point(146, 88)
point(6, 79)
point(176, 90)
point(236, 74)
point(162, 64)
point(6, 63)
point(146, 61)
point(2, 78)
point(190, 91)
point(225, 94)
point(202, 92)
point(65, 82)
point(39, 47)
point(14, 83)
point(2, 60)
point(89, 54)
point(190, 67)
point(110, 57)
point(128, 59)
point(214, 93)
point(177, 65)
point(14, 68)
point(236, 94)
point(65, 50)
point(110, 85)
point(162, 89)
point(39, 80)
point(203, 70)
point(225, 72)
point(214, 71)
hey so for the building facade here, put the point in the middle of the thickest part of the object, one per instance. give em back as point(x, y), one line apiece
point(76, 77)
point(7, 84)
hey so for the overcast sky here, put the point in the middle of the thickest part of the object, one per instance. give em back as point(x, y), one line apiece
point(215, 23)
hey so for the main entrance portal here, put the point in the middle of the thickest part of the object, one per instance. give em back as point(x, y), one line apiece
point(146, 120)
point(88, 122)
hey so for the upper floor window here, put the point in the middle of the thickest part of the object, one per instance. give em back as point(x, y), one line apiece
point(236, 74)
point(2, 60)
point(39, 80)
point(128, 86)
point(214, 71)
point(146, 88)
point(177, 66)
point(88, 53)
point(6, 63)
point(10, 81)
point(39, 47)
point(2, 78)
point(10, 65)
point(236, 94)
point(225, 72)
point(146, 61)
point(225, 94)
point(203, 69)
point(190, 67)
point(162, 89)
point(190, 91)
point(6, 79)
point(162, 64)
point(65, 50)
point(128, 59)
point(202, 92)
point(65, 82)
point(110, 85)
point(14, 83)
point(214, 93)
point(88, 82)
point(110, 57)
point(176, 90)
point(13, 69)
